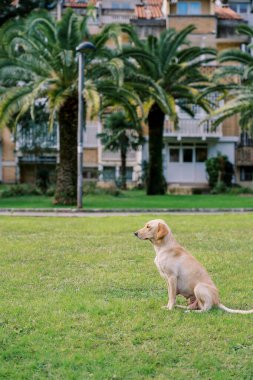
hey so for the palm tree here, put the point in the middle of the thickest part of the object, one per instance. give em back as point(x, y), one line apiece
point(38, 59)
point(238, 75)
point(120, 134)
point(167, 75)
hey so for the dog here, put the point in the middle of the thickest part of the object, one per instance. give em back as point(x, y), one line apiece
point(182, 272)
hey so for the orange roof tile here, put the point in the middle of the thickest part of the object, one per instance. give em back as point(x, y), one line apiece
point(153, 2)
point(148, 12)
point(226, 13)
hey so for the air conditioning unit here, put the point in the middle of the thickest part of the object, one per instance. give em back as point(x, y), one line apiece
point(173, 1)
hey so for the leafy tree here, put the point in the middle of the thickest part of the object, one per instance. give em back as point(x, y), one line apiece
point(237, 76)
point(38, 59)
point(167, 75)
point(121, 135)
point(8, 10)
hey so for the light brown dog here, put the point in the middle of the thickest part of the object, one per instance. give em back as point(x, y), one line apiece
point(183, 273)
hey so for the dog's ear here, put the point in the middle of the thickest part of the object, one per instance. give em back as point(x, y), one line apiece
point(162, 231)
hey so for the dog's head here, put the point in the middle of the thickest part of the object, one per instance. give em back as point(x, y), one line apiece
point(154, 230)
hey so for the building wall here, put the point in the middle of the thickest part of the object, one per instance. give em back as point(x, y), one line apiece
point(222, 44)
point(230, 126)
point(8, 157)
point(123, 4)
point(224, 147)
point(90, 157)
point(204, 24)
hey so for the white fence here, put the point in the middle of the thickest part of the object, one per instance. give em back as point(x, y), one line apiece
point(191, 128)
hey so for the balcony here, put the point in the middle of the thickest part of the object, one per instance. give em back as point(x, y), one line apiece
point(36, 138)
point(115, 19)
point(244, 156)
point(205, 24)
point(191, 128)
point(115, 156)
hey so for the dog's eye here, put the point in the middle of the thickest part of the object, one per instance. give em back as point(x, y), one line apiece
point(148, 226)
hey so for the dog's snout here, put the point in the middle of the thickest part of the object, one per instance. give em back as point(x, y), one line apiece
point(136, 233)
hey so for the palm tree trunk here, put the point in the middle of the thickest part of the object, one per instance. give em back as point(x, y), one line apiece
point(123, 154)
point(66, 183)
point(155, 181)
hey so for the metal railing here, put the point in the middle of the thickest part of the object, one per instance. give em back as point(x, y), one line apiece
point(37, 137)
point(118, 19)
point(192, 128)
point(115, 156)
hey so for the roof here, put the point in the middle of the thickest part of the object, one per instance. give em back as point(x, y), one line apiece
point(79, 3)
point(148, 11)
point(226, 13)
point(154, 2)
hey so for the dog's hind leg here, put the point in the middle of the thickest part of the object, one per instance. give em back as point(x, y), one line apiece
point(206, 295)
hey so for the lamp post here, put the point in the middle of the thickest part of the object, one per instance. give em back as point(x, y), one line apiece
point(81, 120)
point(59, 7)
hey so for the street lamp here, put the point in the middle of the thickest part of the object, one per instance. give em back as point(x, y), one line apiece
point(59, 7)
point(81, 121)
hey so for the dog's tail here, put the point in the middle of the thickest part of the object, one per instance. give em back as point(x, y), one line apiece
point(222, 307)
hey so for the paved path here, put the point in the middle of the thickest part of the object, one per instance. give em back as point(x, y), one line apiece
point(115, 212)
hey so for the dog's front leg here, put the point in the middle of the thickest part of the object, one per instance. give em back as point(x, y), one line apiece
point(172, 292)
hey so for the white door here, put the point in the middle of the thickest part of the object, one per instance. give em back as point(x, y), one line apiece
point(184, 165)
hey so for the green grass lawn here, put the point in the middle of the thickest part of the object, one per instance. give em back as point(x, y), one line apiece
point(137, 199)
point(81, 299)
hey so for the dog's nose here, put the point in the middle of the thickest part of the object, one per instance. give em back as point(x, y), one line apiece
point(136, 233)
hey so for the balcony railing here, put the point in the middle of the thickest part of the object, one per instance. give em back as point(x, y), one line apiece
point(117, 19)
point(36, 138)
point(191, 128)
point(115, 156)
point(244, 156)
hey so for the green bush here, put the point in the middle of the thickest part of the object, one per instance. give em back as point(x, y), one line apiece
point(20, 190)
point(219, 188)
point(91, 188)
point(220, 172)
point(50, 191)
point(240, 190)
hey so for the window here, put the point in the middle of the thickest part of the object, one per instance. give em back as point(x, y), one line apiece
point(90, 173)
point(129, 174)
point(182, 8)
point(117, 5)
point(189, 8)
point(174, 154)
point(201, 154)
point(246, 173)
point(187, 155)
point(240, 7)
point(243, 8)
point(109, 173)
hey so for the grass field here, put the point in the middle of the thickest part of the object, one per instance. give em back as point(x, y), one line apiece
point(81, 299)
point(138, 199)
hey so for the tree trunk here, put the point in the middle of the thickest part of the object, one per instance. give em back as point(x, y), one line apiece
point(123, 154)
point(66, 182)
point(155, 181)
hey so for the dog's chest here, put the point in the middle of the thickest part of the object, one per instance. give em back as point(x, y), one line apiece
point(163, 266)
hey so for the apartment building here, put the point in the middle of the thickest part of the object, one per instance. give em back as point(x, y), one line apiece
point(185, 148)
